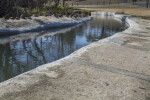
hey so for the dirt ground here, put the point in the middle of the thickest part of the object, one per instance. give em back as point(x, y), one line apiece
point(133, 10)
point(100, 2)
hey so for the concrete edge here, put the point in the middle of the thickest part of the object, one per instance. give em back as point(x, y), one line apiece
point(48, 25)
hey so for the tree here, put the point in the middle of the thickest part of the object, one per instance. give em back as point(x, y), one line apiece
point(104, 2)
point(56, 2)
point(6, 6)
point(147, 3)
point(109, 1)
point(63, 2)
point(125, 1)
point(134, 1)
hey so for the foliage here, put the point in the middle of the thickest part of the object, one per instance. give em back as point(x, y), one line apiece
point(25, 11)
point(44, 7)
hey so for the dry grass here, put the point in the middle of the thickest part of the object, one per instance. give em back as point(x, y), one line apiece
point(126, 9)
point(94, 2)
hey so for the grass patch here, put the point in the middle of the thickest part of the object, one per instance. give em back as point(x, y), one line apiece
point(20, 12)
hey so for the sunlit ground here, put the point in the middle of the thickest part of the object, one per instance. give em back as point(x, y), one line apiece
point(122, 8)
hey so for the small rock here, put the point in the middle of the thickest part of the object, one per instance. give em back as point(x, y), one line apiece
point(107, 84)
point(11, 18)
point(17, 18)
point(134, 90)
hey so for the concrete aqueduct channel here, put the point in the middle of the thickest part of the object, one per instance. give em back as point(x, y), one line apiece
point(114, 68)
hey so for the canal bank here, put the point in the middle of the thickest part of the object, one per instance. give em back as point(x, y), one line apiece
point(38, 24)
point(113, 68)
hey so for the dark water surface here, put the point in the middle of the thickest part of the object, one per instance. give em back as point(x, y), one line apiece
point(23, 54)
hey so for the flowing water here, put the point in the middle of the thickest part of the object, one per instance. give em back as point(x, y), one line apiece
point(21, 53)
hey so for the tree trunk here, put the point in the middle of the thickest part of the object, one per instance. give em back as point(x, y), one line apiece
point(147, 4)
point(63, 2)
point(109, 1)
point(133, 1)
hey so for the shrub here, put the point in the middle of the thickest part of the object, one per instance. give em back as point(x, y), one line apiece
point(45, 8)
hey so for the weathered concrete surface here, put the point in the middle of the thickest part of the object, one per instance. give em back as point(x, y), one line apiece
point(36, 24)
point(115, 68)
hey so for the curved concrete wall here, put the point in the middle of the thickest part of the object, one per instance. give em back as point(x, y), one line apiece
point(83, 49)
point(26, 79)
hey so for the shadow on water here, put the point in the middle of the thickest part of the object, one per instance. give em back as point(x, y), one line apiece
point(23, 54)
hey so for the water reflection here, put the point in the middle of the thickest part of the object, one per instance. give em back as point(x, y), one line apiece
point(23, 55)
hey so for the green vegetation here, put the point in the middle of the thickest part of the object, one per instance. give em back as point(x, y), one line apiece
point(28, 8)
point(57, 11)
